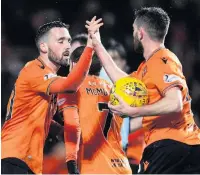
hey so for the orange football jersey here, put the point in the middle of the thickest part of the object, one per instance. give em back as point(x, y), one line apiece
point(100, 148)
point(29, 114)
point(161, 72)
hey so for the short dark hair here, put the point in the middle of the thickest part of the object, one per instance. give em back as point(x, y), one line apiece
point(81, 38)
point(95, 67)
point(113, 45)
point(44, 29)
point(155, 20)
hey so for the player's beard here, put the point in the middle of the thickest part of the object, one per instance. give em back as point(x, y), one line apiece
point(138, 47)
point(60, 61)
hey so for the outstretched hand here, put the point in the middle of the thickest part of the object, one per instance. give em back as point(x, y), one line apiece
point(93, 29)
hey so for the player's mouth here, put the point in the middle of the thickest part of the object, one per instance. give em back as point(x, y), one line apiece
point(66, 53)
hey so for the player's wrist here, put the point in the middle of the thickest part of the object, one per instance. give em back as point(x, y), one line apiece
point(98, 45)
point(89, 42)
point(134, 111)
point(89, 45)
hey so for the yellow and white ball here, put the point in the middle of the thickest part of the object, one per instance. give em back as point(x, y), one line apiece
point(131, 90)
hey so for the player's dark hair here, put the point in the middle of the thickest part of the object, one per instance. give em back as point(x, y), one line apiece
point(155, 21)
point(113, 45)
point(44, 29)
point(96, 64)
point(81, 38)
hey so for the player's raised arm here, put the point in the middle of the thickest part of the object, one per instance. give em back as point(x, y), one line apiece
point(76, 77)
point(78, 74)
point(113, 71)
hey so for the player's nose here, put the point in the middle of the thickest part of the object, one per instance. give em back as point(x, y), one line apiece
point(68, 46)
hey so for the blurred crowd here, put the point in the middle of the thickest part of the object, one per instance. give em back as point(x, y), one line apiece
point(21, 18)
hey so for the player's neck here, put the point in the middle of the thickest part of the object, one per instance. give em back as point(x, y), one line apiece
point(152, 47)
point(53, 66)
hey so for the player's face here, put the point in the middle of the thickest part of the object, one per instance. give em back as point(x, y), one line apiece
point(137, 44)
point(59, 46)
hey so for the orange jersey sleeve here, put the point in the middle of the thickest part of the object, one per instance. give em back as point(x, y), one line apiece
point(67, 100)
point(76, 76)
point(72, 133)
point(67, 104)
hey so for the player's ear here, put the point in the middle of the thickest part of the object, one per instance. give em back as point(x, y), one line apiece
point(43, 47)
point(140, 33)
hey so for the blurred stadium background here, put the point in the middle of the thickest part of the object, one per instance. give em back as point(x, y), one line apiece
point(21, 18)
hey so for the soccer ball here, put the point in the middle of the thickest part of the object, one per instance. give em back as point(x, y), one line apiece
point(131, 90)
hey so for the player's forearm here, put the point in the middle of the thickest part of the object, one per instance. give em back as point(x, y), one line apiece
point(162, 107)
point(113, 71)
point(80, 71)
point(73, 81)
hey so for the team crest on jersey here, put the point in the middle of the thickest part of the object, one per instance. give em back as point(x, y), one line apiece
point(168, 78)
point(61, 101)
point(49, 76)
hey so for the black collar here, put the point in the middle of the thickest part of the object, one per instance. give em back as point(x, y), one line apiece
point(155, 51)
point(43, 65)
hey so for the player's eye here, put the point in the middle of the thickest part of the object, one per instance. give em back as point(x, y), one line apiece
point(69, 40)
point(60, 41)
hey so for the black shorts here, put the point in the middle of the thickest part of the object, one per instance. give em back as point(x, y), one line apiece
point(170, 157)
point(14, 166)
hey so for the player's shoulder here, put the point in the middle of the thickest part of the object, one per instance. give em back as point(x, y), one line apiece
point(169, 54)
point(35, 68)
point(165, 57)
point(26, 71)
